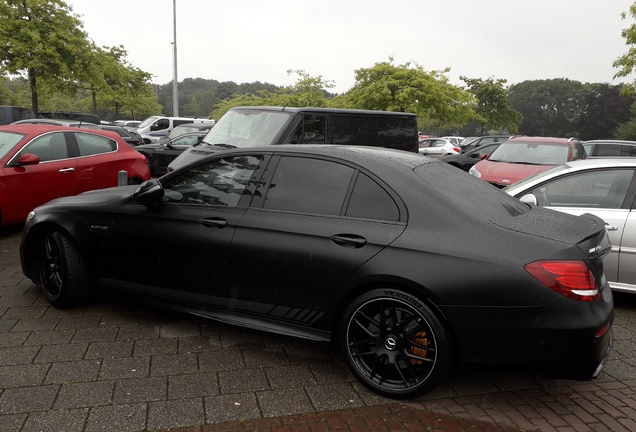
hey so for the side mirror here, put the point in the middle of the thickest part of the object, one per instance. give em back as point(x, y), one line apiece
point(148, 192)
point(484, 156)
point(29, 159)
point(529, 199)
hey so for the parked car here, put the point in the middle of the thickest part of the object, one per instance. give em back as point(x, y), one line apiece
point(43, 162)
point(427, 266)
point(480, 141)
point(437, 147)
point(10, 114)
point(184, 129)
point(162, 152)
point(132, 138)
point(250, 126)
point(610, 148)
point(131, 123)
point(603, 187)
point(155, 127)
point(521, 157)
point(465, 161)
point(456, 140)
point(57, 122)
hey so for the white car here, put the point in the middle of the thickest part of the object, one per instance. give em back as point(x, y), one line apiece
point(438, 147)
point(603, 187)
point(454, 139)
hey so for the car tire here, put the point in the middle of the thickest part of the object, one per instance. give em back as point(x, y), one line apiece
point(394, 343)
point(63, 275)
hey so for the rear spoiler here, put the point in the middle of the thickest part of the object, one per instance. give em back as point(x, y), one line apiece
point(597, 245)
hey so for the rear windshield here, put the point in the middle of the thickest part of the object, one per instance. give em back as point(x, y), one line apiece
point(466, 192)
point(247, 128)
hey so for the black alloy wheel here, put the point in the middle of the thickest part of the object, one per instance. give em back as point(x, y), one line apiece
point(62, 271)
point(394, 343)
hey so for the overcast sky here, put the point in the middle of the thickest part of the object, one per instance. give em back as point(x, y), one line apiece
point(259, 40)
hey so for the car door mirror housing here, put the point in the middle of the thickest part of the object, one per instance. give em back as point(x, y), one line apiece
point(148, 192)
point(29, 159)
point(529, 199)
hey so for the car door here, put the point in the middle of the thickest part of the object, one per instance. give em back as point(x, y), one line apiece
point(310, 226)
point(627, 257)
point(605, 193)
point(179, 248)
point(98, 162)
point(54, 176)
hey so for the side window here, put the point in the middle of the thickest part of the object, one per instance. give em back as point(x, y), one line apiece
point(601, 189)
point(397, 132)
point(160, 124)
point(186, 140)
point(48, 147)
point(369, 200)
point(220, 182)
point(89, 144)
point(180, 122)
point(354, 130)
point(308, 185)
point(313, 129)
point(618, 150)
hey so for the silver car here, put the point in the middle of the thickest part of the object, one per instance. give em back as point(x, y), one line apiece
point(603, 187)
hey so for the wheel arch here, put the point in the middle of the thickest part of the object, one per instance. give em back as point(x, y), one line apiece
point(345, 297)
point(37, 233)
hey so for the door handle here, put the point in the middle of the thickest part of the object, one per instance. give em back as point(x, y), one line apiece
point(610, 227)
point(213, 222)
point(349, 240)
point(65, 170)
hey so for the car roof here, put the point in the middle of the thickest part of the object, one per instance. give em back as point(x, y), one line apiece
point(34, 129)
point(368, 156)
point(602, 163)
point(550, 140)
point(324, 110)
point(610, 142)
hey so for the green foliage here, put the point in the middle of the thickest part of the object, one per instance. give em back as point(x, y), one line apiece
point(625, 63)
point(41, 39)
point(626, 131)
point(549, 107)
point(492, 104)
point(604, 110)
point(307, 91)
point(409, 88)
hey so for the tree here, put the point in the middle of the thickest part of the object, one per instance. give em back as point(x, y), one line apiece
point(307, 92)
point(41, 39)
point(492, 104)
point(559, 102)
point(625, 63)
point(409, 88)
point(603, 111)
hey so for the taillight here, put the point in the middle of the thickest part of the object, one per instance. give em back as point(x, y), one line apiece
point(572, 279)
point(457, 149)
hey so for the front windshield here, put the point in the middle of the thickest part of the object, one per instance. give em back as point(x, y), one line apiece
point(8, 140)
point(533, 153)
point(247, 128)
point(150, 120)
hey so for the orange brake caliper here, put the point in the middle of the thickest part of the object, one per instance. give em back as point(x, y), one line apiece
point(419, 338)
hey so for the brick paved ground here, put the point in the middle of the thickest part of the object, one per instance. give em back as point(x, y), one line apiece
point(118, 366)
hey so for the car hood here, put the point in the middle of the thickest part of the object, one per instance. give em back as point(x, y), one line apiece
point(507, 173)
point(99, 196)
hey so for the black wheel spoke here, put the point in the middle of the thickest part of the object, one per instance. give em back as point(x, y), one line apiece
point(392, 345)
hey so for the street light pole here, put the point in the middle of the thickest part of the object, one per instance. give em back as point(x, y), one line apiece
point(175, 86)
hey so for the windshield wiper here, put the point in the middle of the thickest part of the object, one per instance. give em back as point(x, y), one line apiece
point(227, 146)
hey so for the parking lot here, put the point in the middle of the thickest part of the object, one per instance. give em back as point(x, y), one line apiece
point(120, 366)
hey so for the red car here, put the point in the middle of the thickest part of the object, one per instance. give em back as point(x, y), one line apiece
point(41, 162)
point(521, 157)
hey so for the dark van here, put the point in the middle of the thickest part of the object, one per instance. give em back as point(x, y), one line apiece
point(10, 114)
point(243, 127)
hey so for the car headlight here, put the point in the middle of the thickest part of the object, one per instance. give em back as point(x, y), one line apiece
point(473, 171)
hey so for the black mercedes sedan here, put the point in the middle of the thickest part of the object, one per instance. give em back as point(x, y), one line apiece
point(410, 265)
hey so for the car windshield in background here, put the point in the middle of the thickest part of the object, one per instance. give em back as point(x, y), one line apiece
point(8, 140)
point(247, 128)
point(530, 153)
point(546, 174)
